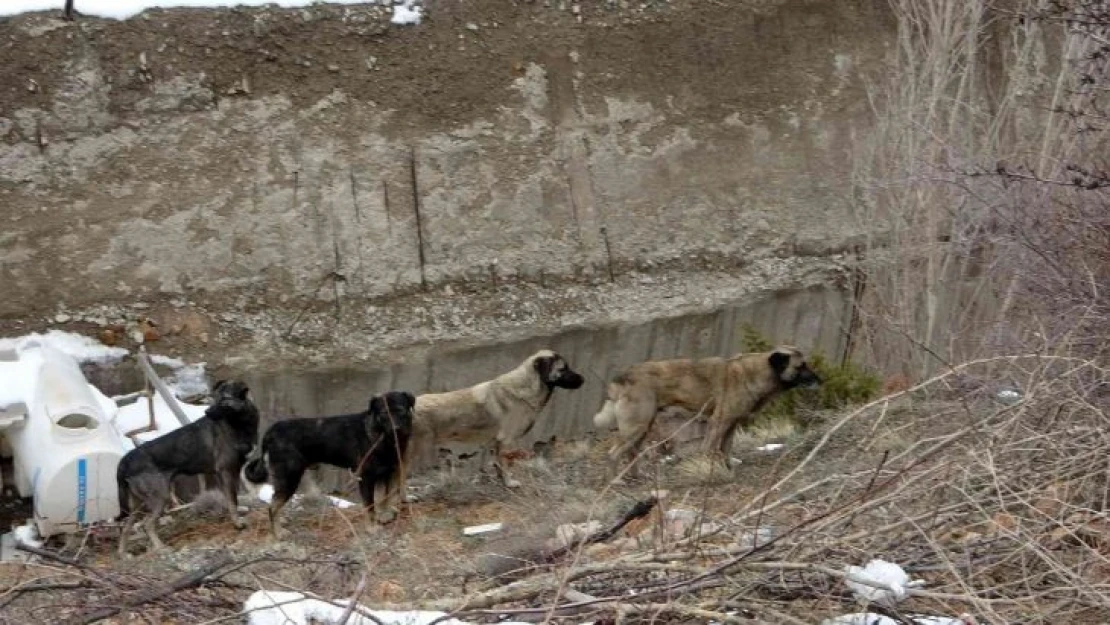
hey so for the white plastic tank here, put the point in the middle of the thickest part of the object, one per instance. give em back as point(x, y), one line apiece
point(65, 450)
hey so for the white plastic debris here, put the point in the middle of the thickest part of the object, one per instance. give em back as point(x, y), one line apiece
point(870, 618)
point(1008, 396)
point(770, 447)
point(880, 581)
point(475, 530)
point(27, 535)
point(266, 493)
point(269, 607)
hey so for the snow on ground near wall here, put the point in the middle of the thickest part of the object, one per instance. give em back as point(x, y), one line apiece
point(268, 607)
point(80, 347)
point(404, 13)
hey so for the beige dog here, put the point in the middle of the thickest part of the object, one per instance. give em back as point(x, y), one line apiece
point(494, 413)
point(729, 391)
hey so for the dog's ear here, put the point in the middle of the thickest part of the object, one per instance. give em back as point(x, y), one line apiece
point(375, 404)
point(410, 399)
point(242, 390)
point(779, 361)
point(218, 385)
point(543, 366)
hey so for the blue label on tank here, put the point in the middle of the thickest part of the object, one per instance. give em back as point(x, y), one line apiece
point(82, 489)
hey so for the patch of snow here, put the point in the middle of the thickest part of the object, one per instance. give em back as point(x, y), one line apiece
point(269, 607)
point(167, 361)
point(124, 9)
point(406, 12)
point(82, 348)
point(880, 581)
point(188, 381)
point(27, 535)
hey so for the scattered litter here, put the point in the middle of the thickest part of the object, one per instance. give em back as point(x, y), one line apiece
point(770, 447)
point(270, 607)
point(894, 580)
point(266, 493)
point(870, 618)
point(474, 530)
point(760, 536)
point(1008, 396)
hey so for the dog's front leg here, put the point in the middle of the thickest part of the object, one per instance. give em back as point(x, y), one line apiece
point(229, 483)
point(384, 512)
point(502, 470)
point(716, 440)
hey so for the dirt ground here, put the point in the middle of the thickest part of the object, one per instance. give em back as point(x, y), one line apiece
point(424, 556)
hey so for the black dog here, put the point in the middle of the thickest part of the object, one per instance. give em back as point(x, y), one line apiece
point(219, 443)
point(371, 444)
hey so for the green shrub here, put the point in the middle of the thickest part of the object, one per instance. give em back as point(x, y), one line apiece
point(841, 385)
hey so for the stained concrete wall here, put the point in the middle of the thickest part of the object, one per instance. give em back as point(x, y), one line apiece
point(243, 158)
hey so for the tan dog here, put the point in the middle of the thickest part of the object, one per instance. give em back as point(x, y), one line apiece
point(493, 413)
point(729, 391)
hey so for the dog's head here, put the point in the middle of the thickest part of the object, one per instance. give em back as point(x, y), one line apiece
point(231, 402)
point(392, 411)
point(555, 371)
point(791, 369)
point(230, 389)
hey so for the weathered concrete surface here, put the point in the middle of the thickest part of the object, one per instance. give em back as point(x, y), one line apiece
point(220, 165)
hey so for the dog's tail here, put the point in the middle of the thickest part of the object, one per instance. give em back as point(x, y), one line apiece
point(606, 418)
point(124, 497)
point(255, 470)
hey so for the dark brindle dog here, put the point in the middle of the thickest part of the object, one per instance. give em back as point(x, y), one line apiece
point(219, 443)
point(371, 444)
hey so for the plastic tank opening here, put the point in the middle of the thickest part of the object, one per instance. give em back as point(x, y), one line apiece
point(77, 421)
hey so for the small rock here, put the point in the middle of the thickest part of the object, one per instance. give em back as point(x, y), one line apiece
point(472, 26)
point(389, 591)
point(61, 318)
point(332, 67)
point(108, 337)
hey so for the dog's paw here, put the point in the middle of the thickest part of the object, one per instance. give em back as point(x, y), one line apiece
point(240, 523)
point(385, 516)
